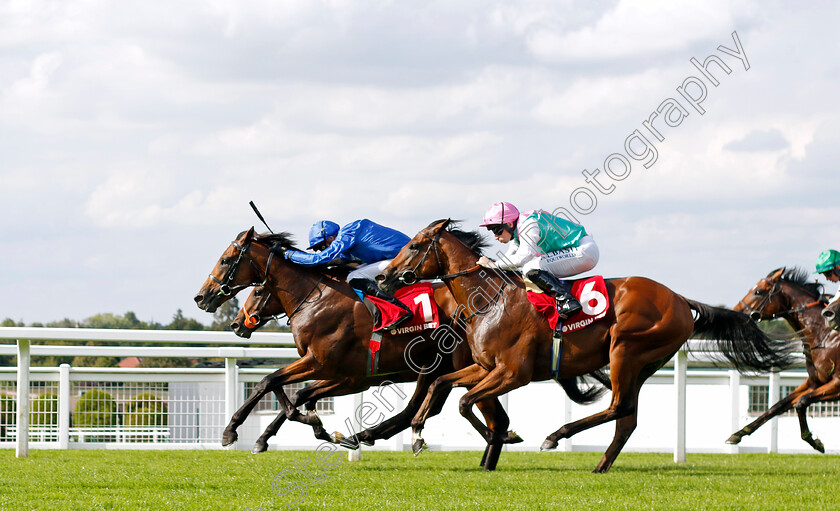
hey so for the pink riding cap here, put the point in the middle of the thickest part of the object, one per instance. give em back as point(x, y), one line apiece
point(500, 213)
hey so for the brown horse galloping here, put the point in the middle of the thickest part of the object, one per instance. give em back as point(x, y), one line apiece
point(331, 329)
point(511, 343)
point(786, 293)
point(259, 308)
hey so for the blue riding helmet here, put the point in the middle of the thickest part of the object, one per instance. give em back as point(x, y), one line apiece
point(320, 231)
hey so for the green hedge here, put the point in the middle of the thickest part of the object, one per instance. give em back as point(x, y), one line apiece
point(146, 410)
point(95, 408)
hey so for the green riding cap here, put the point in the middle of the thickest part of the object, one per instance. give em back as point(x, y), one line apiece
point(828, 260)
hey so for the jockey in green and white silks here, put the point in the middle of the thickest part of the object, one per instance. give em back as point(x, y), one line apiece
point(828, 264)
point(544, 247)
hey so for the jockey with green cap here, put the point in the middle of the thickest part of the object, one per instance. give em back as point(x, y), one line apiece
point(544, 247)
point(828, 264)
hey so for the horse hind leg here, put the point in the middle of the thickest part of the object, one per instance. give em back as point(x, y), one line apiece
point(828, 392)
point(779, 408)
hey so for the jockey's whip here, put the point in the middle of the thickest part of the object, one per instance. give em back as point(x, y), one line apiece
point(257, 211)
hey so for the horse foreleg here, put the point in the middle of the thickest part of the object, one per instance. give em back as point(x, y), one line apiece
point(436, 396)
point(624, 427)
point(402, 420)
point(261, 444)
point(828, 392)
point(299, 370)
point(779, 408)
point(496, 419)
point(499, 381)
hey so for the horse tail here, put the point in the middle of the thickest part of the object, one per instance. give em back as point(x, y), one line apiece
point(739, 339)
point(572, 386)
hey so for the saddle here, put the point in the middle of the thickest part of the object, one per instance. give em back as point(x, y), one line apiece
point(591, 292)
point(419, 298)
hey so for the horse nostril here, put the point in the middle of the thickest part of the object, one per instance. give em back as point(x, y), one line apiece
point(198, 298)
point(828, 314)
point(234, 326)
point(755, 316)
point(380, 277)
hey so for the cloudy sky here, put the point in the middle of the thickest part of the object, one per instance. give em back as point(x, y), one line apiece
point(133, 134)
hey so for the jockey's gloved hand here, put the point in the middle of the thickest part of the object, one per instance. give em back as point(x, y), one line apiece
point(282, 252)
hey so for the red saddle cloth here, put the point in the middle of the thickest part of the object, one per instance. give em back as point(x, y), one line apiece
point(593, 297)
point(420, 299)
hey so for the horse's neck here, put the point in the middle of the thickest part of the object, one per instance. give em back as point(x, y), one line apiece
point(808, 319)
point(293, 284)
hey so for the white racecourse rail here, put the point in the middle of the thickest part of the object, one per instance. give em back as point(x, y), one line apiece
point(688, 405)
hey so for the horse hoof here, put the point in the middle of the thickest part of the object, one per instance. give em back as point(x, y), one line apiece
point(368, 443)
point(512, 438)
point(229, 437)
point(419, 446)
point(818, 445)
point(733, 440)
point(337, 437)
point(548, 445)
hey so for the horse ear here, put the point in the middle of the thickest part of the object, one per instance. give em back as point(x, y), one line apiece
point(247, 235)
point(777, 274)
point(444, 225)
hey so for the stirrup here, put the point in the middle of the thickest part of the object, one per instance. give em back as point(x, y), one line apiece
point(402, 319)
point(568, 309)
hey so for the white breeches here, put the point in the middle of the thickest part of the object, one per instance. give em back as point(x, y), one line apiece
point(368, 271)
point(567, 262)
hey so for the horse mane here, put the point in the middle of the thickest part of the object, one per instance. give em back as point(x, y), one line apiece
point(801, 278)
point(282, 240)
point(473, 239)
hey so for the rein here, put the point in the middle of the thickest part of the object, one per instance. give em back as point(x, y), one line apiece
point(774, 289)
point(409, 277)
point(225, 289)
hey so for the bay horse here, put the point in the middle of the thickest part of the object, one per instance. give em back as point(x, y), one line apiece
point(787, 293)
point(332, 330)
point(512, 344)
point(261, 306)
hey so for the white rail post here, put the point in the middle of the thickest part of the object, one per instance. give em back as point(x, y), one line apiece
point(231, 386)
point(358, 401)
point(680, 364)
point(64, 406)
point(734, 406)
point(397, 441)
point(772, 399)
point(22, 445)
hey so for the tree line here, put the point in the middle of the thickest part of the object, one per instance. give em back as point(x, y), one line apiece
point(222, 319)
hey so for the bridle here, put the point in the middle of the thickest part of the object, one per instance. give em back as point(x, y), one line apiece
point(225, 288)
point(409, 277)
point(253, 320)
point(775, 289)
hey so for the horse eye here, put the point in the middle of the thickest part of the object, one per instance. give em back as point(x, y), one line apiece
point(258, 292)
point(225, 261)
point(414, 246)
point(758, 291)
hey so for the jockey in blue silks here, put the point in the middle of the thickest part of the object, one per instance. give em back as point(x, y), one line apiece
point(362, 241)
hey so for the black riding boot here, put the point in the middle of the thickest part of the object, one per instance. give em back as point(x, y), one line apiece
point(567, 304)
point(369, 287)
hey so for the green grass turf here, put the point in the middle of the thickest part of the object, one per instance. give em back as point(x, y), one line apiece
point(237, 480)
